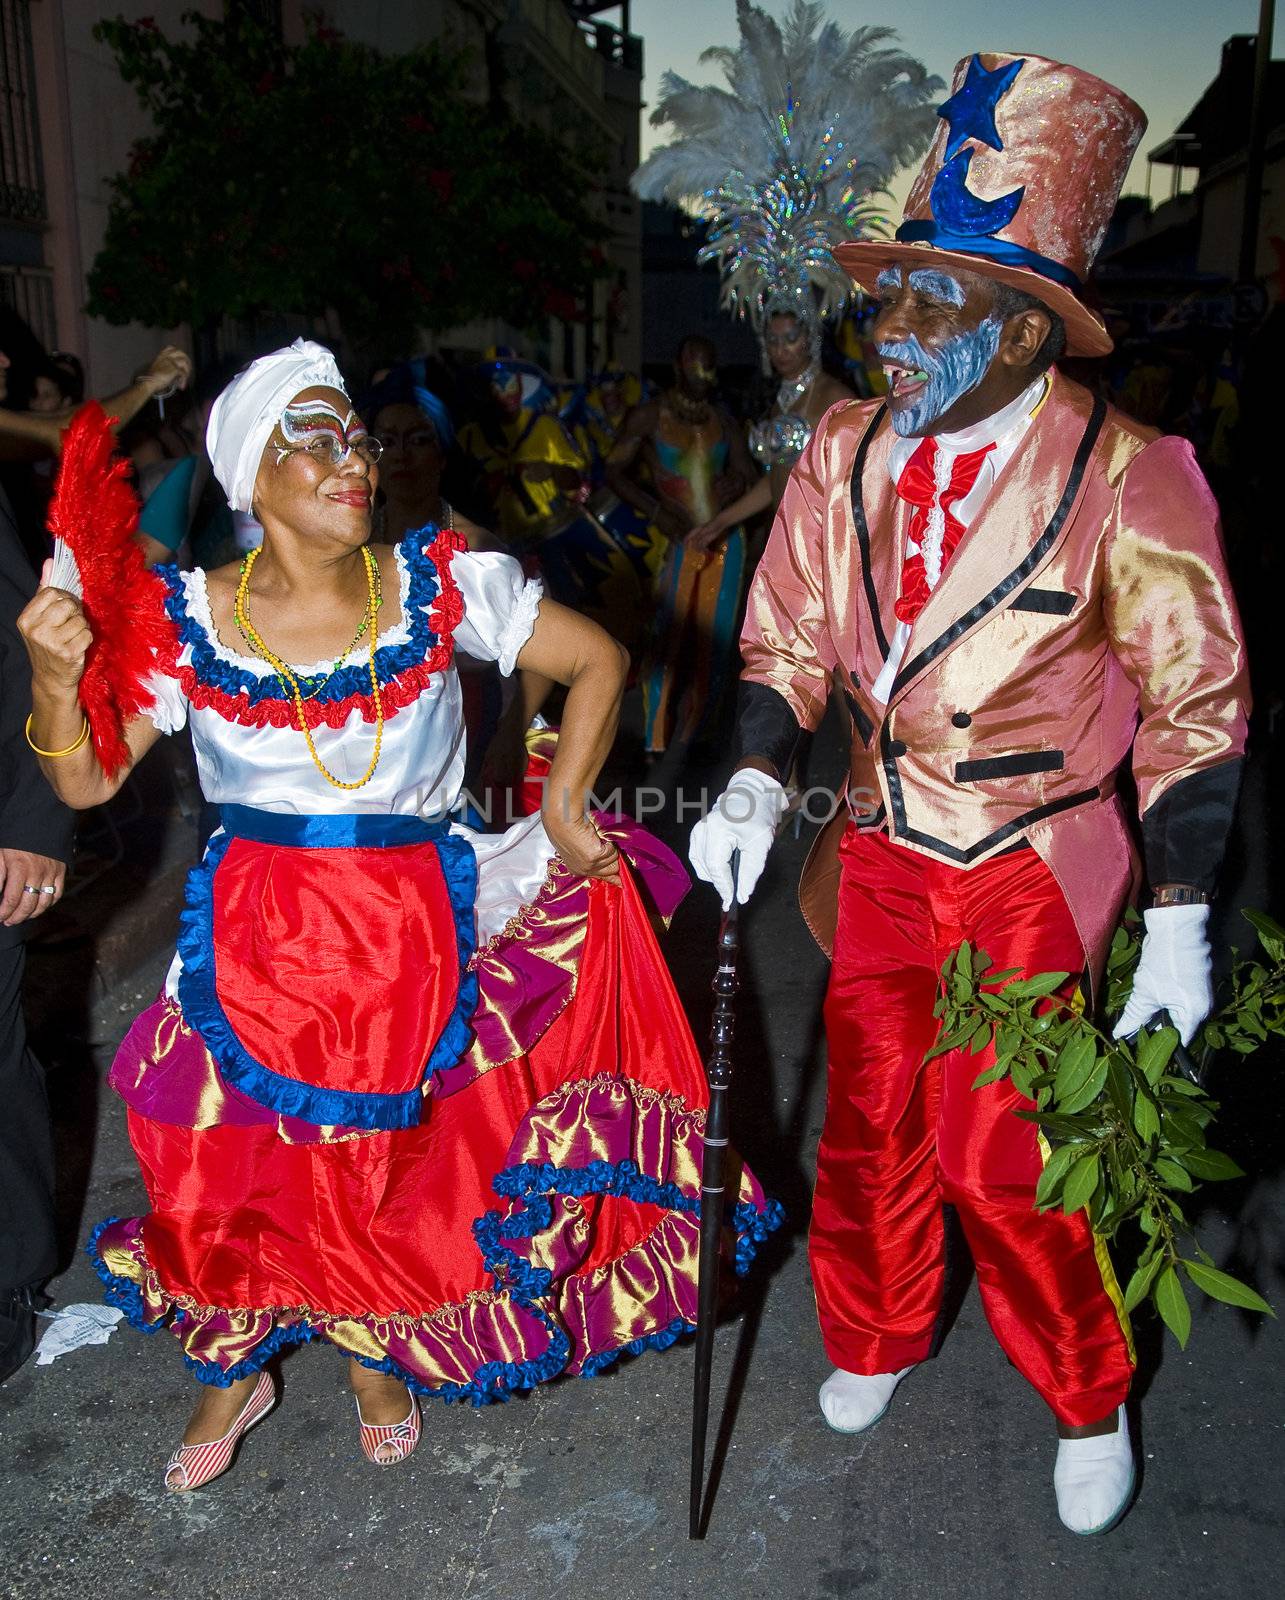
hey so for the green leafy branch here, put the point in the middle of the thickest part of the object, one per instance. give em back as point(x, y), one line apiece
point(1125, 1123)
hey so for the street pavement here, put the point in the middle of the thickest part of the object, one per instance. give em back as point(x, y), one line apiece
point(579, 1489)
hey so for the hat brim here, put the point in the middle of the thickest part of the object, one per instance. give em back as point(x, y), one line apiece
point(864, 259)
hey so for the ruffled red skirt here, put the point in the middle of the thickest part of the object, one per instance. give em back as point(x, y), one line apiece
point(540, 1218)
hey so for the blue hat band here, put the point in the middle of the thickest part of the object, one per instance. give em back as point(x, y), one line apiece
point(1000, 250)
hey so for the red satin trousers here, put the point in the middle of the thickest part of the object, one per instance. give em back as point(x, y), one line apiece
point(903, 1135)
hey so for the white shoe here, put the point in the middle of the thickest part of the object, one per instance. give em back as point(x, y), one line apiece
point(851, 1402)
point(1093, 1479)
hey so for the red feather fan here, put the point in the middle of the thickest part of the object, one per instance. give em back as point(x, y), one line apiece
point(95, 513)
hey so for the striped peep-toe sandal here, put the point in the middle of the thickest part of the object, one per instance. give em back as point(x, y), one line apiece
point(388, 1443)
point(194, 1465)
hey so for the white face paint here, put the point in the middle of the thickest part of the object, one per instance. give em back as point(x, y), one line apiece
point(316, 426)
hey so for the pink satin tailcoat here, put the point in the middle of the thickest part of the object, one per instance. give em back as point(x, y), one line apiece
point(1087, 610)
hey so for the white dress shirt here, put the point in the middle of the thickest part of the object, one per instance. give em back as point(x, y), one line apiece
point(1006, 429)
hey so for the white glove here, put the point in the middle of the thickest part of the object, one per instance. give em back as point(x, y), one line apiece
point(1174, 972)
point(745, 817)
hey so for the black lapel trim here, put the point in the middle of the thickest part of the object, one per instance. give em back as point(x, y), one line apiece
point(1023, 570)
point(896, 800)
point(1028, 819)
point(863, 533)
point(864, 726)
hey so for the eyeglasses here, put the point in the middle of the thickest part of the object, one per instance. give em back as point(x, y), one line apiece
point(330, 451)
point(411, 439)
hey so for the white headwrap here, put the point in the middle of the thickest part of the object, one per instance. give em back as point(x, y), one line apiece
point(244, 415)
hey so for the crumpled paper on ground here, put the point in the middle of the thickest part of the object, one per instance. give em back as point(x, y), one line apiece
point(74, 1326)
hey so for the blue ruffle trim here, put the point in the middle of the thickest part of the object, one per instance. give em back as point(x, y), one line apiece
point(494, 1380)
point(533, 1181)
point(128, 1297)
point(636, 1347)
point(203, 1011)
point(527, 1285)
point(349, 682)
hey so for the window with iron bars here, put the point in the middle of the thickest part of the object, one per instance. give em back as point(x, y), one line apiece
point(22, 179)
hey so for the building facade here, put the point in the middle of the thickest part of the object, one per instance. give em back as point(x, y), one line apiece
point(67, 123)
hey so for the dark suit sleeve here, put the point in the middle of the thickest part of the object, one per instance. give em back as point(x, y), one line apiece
point(31, 817)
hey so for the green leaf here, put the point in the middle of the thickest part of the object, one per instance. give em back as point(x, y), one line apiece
point(1008, 1041)
point(1089, 1092)
point(1211, 1164)
point(1081, 1182)
point(1035, 988)
point(1172, 1174)
point(964, 960)
point(1074, 1068)
point(1055, 1169)
point(1139, 1284)
point(1222, 1286)
point(1146, 1119)
point(1120, 1086)
point(990, 1075)
point(1183, 1086)
point(1270, 933)
point(1154, 1052)
point(1171, 1303)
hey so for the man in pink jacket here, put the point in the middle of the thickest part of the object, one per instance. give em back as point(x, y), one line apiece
point(1014, 587)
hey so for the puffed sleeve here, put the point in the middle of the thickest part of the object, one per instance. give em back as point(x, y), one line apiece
point(1172, 622)
point(168, 710)
point(500, 606)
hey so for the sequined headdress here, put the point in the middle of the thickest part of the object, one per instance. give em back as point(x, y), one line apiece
point(1020, 185)
point(791, 158)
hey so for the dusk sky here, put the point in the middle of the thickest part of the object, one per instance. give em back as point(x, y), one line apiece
point(1162, 52)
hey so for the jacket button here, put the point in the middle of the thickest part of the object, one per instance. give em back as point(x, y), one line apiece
point(961, 719)
point(896, 749)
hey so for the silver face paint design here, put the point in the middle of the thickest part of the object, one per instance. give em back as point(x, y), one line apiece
point(947, 374)
point(323, 433)
point(938, 285)
point(889, 278)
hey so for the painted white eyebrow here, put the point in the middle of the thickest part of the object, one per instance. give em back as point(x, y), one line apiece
point(889, 278)
point(940, 285)
point(310, 408)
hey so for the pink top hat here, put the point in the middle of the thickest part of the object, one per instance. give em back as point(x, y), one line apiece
point(1019, 184)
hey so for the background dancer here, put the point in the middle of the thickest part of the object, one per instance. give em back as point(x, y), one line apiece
point(677, 459)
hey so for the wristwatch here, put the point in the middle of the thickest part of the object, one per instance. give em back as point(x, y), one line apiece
point(1178, 894)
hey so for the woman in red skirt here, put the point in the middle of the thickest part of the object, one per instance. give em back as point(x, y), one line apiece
point(424, 1094)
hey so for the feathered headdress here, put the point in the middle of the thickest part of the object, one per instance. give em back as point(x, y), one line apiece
point(790, 158)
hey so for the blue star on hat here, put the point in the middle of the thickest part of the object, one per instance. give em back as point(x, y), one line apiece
point(970, 111)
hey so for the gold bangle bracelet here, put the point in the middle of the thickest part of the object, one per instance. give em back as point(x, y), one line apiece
point(55, 755)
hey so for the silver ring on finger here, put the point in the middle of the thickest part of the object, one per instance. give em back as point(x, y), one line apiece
point(30, 888)
point(49, 888)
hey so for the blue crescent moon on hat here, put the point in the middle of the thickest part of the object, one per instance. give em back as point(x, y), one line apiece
point(970, 114)
point(960, 211)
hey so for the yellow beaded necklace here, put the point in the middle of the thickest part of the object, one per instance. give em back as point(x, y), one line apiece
point(290, 678)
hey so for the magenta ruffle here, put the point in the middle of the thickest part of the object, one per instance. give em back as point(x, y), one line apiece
point(545, 1315)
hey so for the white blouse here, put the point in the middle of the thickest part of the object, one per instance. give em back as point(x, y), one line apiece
point(421, 762)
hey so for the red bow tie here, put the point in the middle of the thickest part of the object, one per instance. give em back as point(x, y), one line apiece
point(918, 485)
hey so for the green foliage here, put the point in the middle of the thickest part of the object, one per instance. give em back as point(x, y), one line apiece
point(327, 176)
point(1126, 1121)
